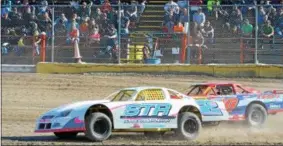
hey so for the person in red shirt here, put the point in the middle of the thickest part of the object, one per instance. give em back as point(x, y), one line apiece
point(106, 7)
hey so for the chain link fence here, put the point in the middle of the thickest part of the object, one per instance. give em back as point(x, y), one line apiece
point(226, 34)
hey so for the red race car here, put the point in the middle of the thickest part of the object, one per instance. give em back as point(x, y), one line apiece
point(242, 103)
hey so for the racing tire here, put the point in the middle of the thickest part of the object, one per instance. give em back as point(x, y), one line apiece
point(66, 135)
point(98, 127)
point(256, 115)
point(189, 126)
point(154, 135)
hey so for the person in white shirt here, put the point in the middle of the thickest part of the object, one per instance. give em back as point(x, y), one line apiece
point(171, 5)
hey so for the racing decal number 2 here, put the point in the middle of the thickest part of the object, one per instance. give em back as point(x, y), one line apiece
point(209, 108)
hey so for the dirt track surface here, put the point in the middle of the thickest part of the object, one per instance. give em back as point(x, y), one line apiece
point(26, 96)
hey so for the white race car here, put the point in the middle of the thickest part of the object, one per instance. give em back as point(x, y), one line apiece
point(152, 110)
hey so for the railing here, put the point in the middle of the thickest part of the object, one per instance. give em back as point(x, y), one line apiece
point(148, 28)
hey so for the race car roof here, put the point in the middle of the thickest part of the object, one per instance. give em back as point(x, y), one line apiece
point(143, 88)
point(215, 83)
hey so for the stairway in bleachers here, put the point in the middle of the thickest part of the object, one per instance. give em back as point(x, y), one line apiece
point(150, 22)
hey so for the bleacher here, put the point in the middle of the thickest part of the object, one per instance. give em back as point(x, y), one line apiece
point(225, 49)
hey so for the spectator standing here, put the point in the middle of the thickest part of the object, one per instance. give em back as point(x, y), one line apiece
point(236, 19)
point(125, 23)
point(36, 40)
point(184, 17)
point(85, 10)
point(208, 32)
point(212, 7)
point(142, 7)
point(261, 15)
point(44, 7)
point(279, 23)
point(106, 7)
point(272, 16)
point(169, 21)
point(171, 6)
point(199, 17)
point(132, 11)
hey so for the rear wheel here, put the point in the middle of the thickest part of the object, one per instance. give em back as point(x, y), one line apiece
point(256, 115)
point(189, 126)
point(65, 135)
point(98, 127)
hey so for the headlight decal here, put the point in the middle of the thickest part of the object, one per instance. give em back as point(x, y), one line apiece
point(64, 113)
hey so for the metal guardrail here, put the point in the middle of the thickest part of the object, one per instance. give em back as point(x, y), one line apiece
point(11, 68)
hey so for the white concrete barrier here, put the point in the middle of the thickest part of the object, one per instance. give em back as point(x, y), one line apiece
point(12, 68)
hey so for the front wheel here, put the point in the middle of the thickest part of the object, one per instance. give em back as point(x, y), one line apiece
point(65, 135)
point(256, 115)
point(98, 127)
point(189, 126)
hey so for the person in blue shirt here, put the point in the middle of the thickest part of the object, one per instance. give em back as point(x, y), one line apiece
point(199, 17)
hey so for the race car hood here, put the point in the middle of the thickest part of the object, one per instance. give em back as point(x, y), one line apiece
point(76, 105)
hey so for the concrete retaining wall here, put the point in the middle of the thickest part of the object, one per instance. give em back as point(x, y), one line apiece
point(18, 68)
point(247, 70)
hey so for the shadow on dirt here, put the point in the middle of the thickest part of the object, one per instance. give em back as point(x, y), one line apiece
point(82, 138)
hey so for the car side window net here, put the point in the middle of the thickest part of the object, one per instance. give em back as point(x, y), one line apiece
point(150, 94)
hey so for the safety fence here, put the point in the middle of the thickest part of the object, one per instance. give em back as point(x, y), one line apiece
point(107, 36)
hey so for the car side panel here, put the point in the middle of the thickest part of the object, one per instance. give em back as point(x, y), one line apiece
point(143, 115)
point(212, 110)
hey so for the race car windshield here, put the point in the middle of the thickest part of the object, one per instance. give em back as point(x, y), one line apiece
point(123, 95)
point(197, 90)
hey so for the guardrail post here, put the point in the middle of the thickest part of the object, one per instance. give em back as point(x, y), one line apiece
point(43, 47)
point(241, 51)
point(199, 55)
point(184, 47)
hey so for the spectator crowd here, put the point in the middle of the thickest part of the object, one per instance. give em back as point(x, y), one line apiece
point(97, 20)
point(93, 20)
point(233, 19)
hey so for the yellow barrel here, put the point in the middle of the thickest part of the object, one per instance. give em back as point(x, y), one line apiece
point(135, 52)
